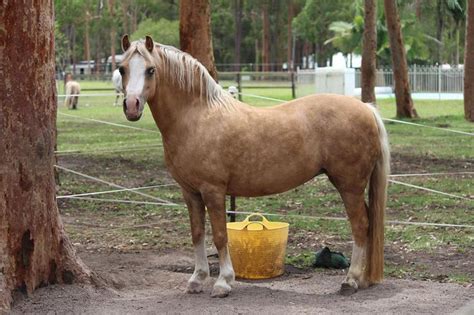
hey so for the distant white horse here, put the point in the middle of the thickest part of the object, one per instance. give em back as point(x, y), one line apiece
point(117, 81)
point(73, 89)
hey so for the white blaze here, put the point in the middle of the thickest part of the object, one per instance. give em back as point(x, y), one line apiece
point(137, 75)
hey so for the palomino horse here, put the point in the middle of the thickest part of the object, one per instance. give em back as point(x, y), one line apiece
point(73, 89)
point(216, 146)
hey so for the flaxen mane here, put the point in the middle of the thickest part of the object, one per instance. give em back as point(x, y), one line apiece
point(185, 71)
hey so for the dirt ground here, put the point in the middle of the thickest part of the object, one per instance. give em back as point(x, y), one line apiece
point(152, 279)
point(150, 282)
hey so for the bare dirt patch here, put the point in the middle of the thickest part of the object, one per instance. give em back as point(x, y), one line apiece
point(154, 282)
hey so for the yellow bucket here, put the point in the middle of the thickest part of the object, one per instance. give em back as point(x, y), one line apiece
point(257, 248)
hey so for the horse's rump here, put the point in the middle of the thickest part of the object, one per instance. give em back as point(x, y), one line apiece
point(72, 90)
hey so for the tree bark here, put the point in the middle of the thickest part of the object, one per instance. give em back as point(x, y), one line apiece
point(34, 249)
point(238, 33)
point(195, 32)
point(369, 52)
point(405, 106)
point(469, 64)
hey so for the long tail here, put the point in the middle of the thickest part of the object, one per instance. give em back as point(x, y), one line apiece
point(377, 202)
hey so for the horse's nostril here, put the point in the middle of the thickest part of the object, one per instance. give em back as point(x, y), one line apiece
point(138, 104)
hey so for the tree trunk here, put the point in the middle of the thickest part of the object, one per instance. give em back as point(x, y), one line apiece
point(34, 249)
point(439, 29)
point(238, 33)
point(405, 106)
point(113, 34)
point(469, 64)
point(195, 32)
point(289, 42)
point(265, 37)
point(369, 52)
point(87, 45)
point(125, 19)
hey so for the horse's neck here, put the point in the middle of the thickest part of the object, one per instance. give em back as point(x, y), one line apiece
point(174, 110)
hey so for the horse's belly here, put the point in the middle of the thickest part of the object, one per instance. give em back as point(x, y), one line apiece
point(271, 181)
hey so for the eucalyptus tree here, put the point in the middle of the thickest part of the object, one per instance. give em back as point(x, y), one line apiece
point(405, 107)
point(34, 249)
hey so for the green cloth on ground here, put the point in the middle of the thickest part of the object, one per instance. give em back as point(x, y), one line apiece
point(327, 259)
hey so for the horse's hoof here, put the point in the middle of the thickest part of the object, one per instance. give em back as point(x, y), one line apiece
point(347, 289)
point(194, 287)
point(221, 291)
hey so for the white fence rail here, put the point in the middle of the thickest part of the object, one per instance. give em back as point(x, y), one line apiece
point(424, 79)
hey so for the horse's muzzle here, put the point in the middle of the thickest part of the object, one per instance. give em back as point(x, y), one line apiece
point(132, 108)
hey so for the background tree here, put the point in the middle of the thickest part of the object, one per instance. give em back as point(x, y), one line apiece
point(238, 12)
point(163, 31)
point(369, 52)
point(405, 107)
point(195, 32)
point(469, 65)
point(34, 250)
point(312, 25)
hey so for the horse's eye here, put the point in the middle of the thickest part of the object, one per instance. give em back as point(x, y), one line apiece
point(122, 70)
point(150, 71)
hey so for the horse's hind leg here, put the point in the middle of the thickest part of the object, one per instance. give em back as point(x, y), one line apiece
point(358, 215)
point(197, 217)
point(215, 203)
point(75, 100)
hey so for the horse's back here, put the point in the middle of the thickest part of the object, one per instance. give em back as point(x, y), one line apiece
point(73, 87)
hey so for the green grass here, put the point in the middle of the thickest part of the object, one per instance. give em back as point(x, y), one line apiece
point(419, 149)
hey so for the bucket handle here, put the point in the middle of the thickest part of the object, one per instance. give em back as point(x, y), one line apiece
point(255, 214)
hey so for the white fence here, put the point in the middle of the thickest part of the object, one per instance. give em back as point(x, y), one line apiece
point(424, 79)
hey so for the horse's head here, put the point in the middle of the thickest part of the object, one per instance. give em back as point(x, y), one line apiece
point(138, 76)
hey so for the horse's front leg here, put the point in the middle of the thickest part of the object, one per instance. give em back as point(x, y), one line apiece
point(215, 203)
point(197, 213)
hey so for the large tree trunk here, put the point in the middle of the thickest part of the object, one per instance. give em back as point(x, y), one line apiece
point(238, 32)
point(195, 32)
point(469, 64)
point(369, 52)
point(405, 106)
point(34, 250)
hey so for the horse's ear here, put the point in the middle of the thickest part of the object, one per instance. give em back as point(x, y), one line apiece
point(149, 43)
point(125, 43)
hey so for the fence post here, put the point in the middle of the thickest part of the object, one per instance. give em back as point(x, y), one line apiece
point(414, 78)
point(439, 82)
point(239, 88)
point(293, 89)
point(232, 208)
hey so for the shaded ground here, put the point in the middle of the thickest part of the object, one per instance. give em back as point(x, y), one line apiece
point(148, 282)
